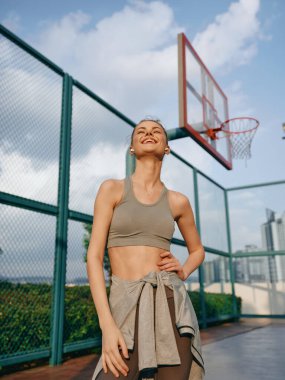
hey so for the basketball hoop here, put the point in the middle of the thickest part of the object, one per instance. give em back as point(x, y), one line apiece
point(240, 131)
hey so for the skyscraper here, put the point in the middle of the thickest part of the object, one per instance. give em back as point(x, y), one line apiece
point(273, 239)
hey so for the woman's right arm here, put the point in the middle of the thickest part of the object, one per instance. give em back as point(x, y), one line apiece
point(102, 216)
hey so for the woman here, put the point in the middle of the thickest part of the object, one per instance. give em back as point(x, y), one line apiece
point(149, 327)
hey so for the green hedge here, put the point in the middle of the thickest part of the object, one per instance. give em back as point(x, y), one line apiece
point(26, 315)
point(217, 304)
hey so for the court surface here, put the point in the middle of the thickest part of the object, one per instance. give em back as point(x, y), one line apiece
point(250, 349)
point(256, 354)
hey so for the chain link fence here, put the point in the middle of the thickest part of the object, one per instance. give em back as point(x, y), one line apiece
point(59, 141)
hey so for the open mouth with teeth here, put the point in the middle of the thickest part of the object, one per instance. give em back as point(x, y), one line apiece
point(149, 141)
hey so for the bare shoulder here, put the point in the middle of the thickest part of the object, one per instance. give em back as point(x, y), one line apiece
point(112, 189)
point(179, 202)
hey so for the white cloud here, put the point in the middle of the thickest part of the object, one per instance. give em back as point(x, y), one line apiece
point(19, 176)
point(87, 172)
point(231, 40)
point(60, 40)
point(239, 100)
point(128, 58)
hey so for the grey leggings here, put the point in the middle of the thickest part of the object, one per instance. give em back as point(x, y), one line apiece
point(165, 372)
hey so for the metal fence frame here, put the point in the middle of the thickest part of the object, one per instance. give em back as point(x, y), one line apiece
point(63, 214)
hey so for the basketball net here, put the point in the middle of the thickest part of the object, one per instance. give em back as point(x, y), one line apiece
point(240, 132)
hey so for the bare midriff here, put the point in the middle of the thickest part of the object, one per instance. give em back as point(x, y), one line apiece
point(134, 262)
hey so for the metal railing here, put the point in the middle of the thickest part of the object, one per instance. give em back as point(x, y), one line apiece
point(40, 108)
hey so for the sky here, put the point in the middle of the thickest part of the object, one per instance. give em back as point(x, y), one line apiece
point(126, 52)
point(239, 41)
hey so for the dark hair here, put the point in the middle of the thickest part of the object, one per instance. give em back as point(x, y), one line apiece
point(150, 119)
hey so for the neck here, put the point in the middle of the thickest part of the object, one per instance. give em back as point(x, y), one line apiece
point(147, 173)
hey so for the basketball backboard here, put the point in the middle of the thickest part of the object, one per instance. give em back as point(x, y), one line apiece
point(202, 103)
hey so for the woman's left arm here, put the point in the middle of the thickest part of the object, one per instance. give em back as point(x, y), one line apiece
point(187, 227)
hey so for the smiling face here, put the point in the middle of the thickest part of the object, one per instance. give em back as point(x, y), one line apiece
point(149, 136)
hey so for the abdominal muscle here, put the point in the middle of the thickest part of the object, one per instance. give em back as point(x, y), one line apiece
point(134, 262)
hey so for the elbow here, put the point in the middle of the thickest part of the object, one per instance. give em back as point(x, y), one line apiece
point(93, 259)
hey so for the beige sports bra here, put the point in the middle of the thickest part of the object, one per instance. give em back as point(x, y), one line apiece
point(137, 223)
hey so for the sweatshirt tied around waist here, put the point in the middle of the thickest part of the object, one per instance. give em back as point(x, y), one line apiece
point(156, 338)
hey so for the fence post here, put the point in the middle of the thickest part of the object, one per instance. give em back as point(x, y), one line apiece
point(130, 163)
point(201, 268)
point(59, 277)
point(232, 278)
